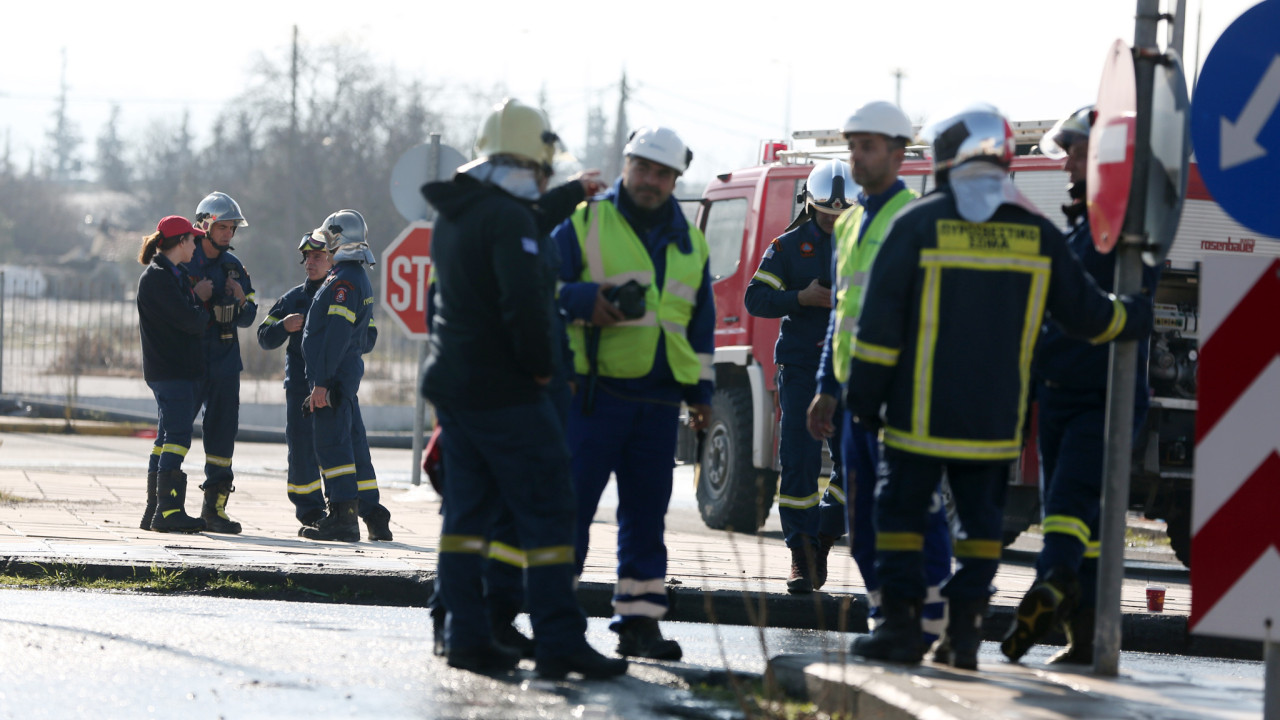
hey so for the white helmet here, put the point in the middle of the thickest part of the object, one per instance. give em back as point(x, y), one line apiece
point(880, 117)
point(829, 186)
point(345, 235)
point(661, 145)
point(218, 207)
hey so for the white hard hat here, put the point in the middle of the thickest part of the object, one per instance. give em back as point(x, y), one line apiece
point(661, 145)
point(880, 117)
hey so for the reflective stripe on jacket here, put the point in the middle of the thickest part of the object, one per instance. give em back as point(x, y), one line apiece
point(855, 258)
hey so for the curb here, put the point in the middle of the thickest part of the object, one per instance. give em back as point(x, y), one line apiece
point(1140, 632)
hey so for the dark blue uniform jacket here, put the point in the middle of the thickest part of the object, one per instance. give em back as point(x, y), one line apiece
point(792, 261)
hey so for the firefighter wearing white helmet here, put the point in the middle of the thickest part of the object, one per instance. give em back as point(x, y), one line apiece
point(233, 305)
point(941, 360)
point(1070, 390)
point(638, 288)
point(337, 331)
point(877, 134)
point(492, 373)
point(793, 282)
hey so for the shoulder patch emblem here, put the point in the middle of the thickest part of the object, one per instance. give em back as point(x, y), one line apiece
point(806, 249)
point(340, 295)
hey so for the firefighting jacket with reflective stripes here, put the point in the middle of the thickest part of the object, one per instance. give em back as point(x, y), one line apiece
point(334, 335)
point(791, 262)
point(949, 321)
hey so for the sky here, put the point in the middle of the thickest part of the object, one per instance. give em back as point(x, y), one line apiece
point(725, 75)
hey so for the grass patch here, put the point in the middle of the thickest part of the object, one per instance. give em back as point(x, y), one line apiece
point(8, 497)
point(168, 581)
point(760, 700)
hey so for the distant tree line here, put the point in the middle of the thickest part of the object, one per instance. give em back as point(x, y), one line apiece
point(292, 147)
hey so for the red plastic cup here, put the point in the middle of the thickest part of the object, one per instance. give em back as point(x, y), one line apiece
point(1155, 598)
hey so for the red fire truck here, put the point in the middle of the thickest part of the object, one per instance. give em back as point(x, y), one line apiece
point(742, 211)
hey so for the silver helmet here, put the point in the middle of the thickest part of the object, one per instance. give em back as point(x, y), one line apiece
point(829, 186)
point(979, 133)
point(345, 235)
point(218, 207)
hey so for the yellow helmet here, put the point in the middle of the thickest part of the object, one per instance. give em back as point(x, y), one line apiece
point(513, 128)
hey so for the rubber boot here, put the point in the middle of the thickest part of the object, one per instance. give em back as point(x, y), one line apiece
point(800, 581)
point(825, 543)
point(899, 637)
point(341, 524)
point(959, 645)
point(214, 512)
point(586, 662)
point(491, 658)
point(1043, 607)
point(312, 517)
point(378, 523)
point(150, 510)
point(502, 623)
point(640, 637)
point(171, 499)
point(1079, 632)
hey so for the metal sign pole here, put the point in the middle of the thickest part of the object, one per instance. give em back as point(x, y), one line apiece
point(1271, 679)
point(1123, 364)
point(420, 404)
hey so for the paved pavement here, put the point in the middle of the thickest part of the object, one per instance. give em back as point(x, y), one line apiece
point(69, 501)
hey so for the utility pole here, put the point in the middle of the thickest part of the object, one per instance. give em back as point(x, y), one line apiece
point(1122, 370)
point(898, 74)
point(621, 132)
point(291, 211)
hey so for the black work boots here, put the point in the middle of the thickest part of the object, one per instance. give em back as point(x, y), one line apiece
point(899, 637)
point(959, 645)
point(341, 524)
point(1079, 632)
point(825, 543)
point(640, 637)
point(150, 511)
point(1048, 603)
point(801, 580)
point(378, 522)
point(586, 662)
point(491, 658)
point(214, 511)
point(171, 498)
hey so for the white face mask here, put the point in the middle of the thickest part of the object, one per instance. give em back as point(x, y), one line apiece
point(980, 189)
point(515, 181)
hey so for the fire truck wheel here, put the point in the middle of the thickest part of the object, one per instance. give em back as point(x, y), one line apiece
point(732, 493)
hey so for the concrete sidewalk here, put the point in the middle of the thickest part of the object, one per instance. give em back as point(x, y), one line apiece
point(85, 514)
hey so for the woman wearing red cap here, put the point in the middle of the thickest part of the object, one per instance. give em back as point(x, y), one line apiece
point(171, 323)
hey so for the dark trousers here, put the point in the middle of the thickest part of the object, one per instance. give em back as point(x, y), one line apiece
point(803, 511)
point(220, 397)
point(304, 488)
point(512, 457)
point(175, 400)
point(909, 482)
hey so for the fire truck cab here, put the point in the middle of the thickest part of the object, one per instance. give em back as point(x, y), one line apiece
point(742, 211)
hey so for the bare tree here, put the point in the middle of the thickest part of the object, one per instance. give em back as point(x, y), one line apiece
point(113, 169)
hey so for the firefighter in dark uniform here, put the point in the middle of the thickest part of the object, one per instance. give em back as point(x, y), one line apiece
point(793, 282)
point(171, 320)
point(942, 358)
point(282, 325)
point(233, 304)
point(334, 337)
point(1071, 393)
point(491, 359)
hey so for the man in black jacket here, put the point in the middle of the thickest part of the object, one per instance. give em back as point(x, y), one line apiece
point(492, 356)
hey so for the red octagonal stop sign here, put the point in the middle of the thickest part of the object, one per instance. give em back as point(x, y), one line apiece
point(406, 265)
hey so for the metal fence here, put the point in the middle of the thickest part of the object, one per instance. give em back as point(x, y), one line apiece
point(86, 351)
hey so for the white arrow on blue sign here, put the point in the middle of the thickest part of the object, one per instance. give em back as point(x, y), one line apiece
point(1235, 127)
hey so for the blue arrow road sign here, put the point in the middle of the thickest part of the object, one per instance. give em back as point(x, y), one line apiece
point(1235, 126)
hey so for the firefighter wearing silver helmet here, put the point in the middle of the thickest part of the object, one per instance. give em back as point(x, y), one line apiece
point(1070, 389)
point(793, 282)
point(334, 337)
point(877, 135)
point(637, 278)
point(233, 305)
point(941, 360)
point(283, 326)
